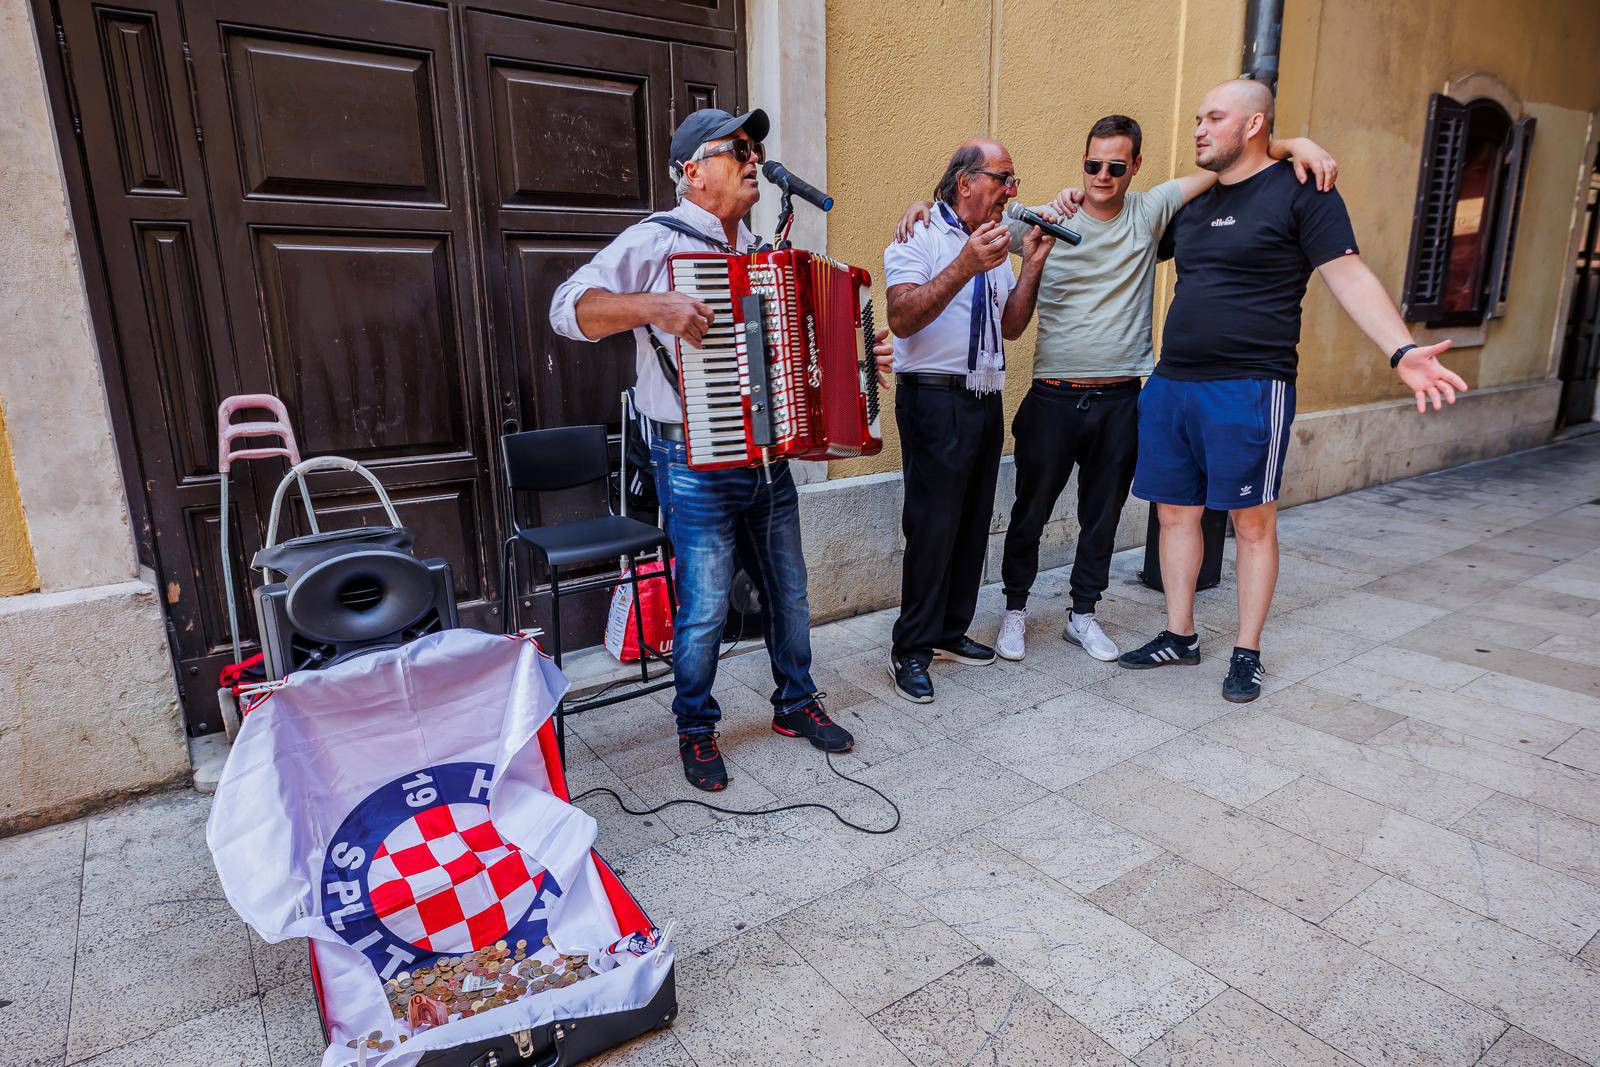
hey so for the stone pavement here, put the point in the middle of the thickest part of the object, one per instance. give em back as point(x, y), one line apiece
point(1392, 858)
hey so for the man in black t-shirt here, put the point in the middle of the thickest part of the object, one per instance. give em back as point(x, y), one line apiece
point(1214, 417)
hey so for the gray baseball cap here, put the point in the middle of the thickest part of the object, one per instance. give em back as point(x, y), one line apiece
point(712, 123)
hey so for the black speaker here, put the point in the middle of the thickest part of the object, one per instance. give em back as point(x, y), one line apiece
point(353, 600)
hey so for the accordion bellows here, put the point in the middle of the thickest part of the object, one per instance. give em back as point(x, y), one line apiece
point(786, 370)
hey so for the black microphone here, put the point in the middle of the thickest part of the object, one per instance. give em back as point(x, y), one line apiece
point(1054, 229)
point(779, 175)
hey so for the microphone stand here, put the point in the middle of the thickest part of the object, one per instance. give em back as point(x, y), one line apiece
point(780, 236)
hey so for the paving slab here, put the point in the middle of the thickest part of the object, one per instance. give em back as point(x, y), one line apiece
point(873, 943)
point(1546, 837)
point(231, 1036)
point(983, 1015)
point(1389, 779)
point(1520, 774)
point(753, 999)
point(1296, 874)
point(1076, 847)
point(1328, 712)
point(1364, 1007)
point(1543, 991)
point(1107, 975)
point(1460, 709)
point(1235, 1031)
point(1558, 910)
point(1221, 773)
point(1069, 738)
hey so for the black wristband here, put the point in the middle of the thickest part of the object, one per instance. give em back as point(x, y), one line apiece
point(1399, 354)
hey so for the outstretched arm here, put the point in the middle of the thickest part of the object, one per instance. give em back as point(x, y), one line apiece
point(1365, 300)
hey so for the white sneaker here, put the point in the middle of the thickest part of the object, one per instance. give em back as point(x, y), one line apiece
point(1009, 643)
point(1085, 630)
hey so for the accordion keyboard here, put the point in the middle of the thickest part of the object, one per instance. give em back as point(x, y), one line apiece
point(715, 373)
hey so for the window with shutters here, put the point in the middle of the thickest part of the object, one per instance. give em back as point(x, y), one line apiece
point(1469, 202)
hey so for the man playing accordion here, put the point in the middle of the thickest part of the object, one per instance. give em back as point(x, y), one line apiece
point(714, 156)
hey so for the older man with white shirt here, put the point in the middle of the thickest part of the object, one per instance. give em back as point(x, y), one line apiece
point(713, 158)
point(953, 302)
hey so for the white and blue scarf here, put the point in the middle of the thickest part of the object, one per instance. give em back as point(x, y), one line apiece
point(986, 357)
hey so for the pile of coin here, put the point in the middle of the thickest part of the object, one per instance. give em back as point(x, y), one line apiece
point(459, 987)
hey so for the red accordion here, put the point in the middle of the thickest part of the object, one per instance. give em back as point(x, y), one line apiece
point(786, 370)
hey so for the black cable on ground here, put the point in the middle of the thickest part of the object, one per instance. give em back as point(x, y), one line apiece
point(762, 811)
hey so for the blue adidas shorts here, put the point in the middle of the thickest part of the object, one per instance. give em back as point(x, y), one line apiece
point(1217, 443)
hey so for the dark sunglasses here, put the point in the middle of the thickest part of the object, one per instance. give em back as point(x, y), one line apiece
point(1115, 166)
point(1007, 179)
point(742, 150)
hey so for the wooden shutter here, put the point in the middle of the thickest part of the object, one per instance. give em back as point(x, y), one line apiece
point(1514, 181)
point(1435, 211)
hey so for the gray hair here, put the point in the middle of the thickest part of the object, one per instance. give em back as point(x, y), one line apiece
point(682, 188)
point(966, 160)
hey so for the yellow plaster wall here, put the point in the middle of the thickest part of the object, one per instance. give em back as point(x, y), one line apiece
point(1356, 80)
point(907, 82)
point(17, 573)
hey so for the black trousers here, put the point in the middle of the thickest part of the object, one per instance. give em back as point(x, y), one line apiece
point(950, 443)
point(1057, 426)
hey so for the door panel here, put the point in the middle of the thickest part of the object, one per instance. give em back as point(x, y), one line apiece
point(144, 174)
point(570, 128)
point(379, 143)
point(285, 198)
point(345, 247)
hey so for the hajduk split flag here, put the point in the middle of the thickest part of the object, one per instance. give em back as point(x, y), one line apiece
point(397, 811)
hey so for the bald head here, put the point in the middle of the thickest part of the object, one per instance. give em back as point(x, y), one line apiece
point(1234, 122)
point(1250, 97)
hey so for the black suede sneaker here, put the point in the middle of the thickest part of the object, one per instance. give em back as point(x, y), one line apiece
point(1166, 649)
point(702, 762)
point(1243, 683)
point(810, 721)
point(966, 650)
point(911, 679)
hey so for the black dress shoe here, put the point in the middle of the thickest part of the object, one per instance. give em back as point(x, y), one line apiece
point(911, 679)
point(965, 650)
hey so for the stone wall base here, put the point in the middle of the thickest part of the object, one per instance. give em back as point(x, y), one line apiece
point(88, 710)
point(851, 526)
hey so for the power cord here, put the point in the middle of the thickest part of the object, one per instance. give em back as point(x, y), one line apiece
point(597, 790)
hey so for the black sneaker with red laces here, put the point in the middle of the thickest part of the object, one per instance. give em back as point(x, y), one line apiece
point(811, 722)
point(702, 762)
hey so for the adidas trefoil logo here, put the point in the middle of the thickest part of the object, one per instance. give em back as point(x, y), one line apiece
point(1245, 491)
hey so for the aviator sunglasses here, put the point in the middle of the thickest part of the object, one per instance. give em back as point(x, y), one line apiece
point(1115, 166)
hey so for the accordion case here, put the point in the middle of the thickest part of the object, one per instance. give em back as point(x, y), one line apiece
point(407, 813)
point(786, 370)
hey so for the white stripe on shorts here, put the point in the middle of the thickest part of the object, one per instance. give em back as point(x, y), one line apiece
point(1275, 451)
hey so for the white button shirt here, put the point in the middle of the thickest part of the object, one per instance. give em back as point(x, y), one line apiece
point(941, 346)
point(636, 262)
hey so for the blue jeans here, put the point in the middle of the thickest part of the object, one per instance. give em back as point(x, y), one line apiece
point(707, 512)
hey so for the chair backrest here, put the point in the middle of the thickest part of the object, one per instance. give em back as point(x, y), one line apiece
point(564, 457)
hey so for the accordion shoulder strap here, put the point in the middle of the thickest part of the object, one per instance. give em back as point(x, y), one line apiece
point(678, 226)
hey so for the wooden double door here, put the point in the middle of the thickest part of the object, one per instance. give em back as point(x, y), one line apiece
point(362, 207)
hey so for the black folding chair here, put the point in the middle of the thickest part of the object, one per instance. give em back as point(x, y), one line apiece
point(544, 461)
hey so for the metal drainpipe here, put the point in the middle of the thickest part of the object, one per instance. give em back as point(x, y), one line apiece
point(1263, 28)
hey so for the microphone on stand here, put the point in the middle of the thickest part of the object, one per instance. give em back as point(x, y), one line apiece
point(1054, 229)
point(780, 176)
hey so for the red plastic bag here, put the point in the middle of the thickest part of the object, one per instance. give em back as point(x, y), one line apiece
point(622, 634)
